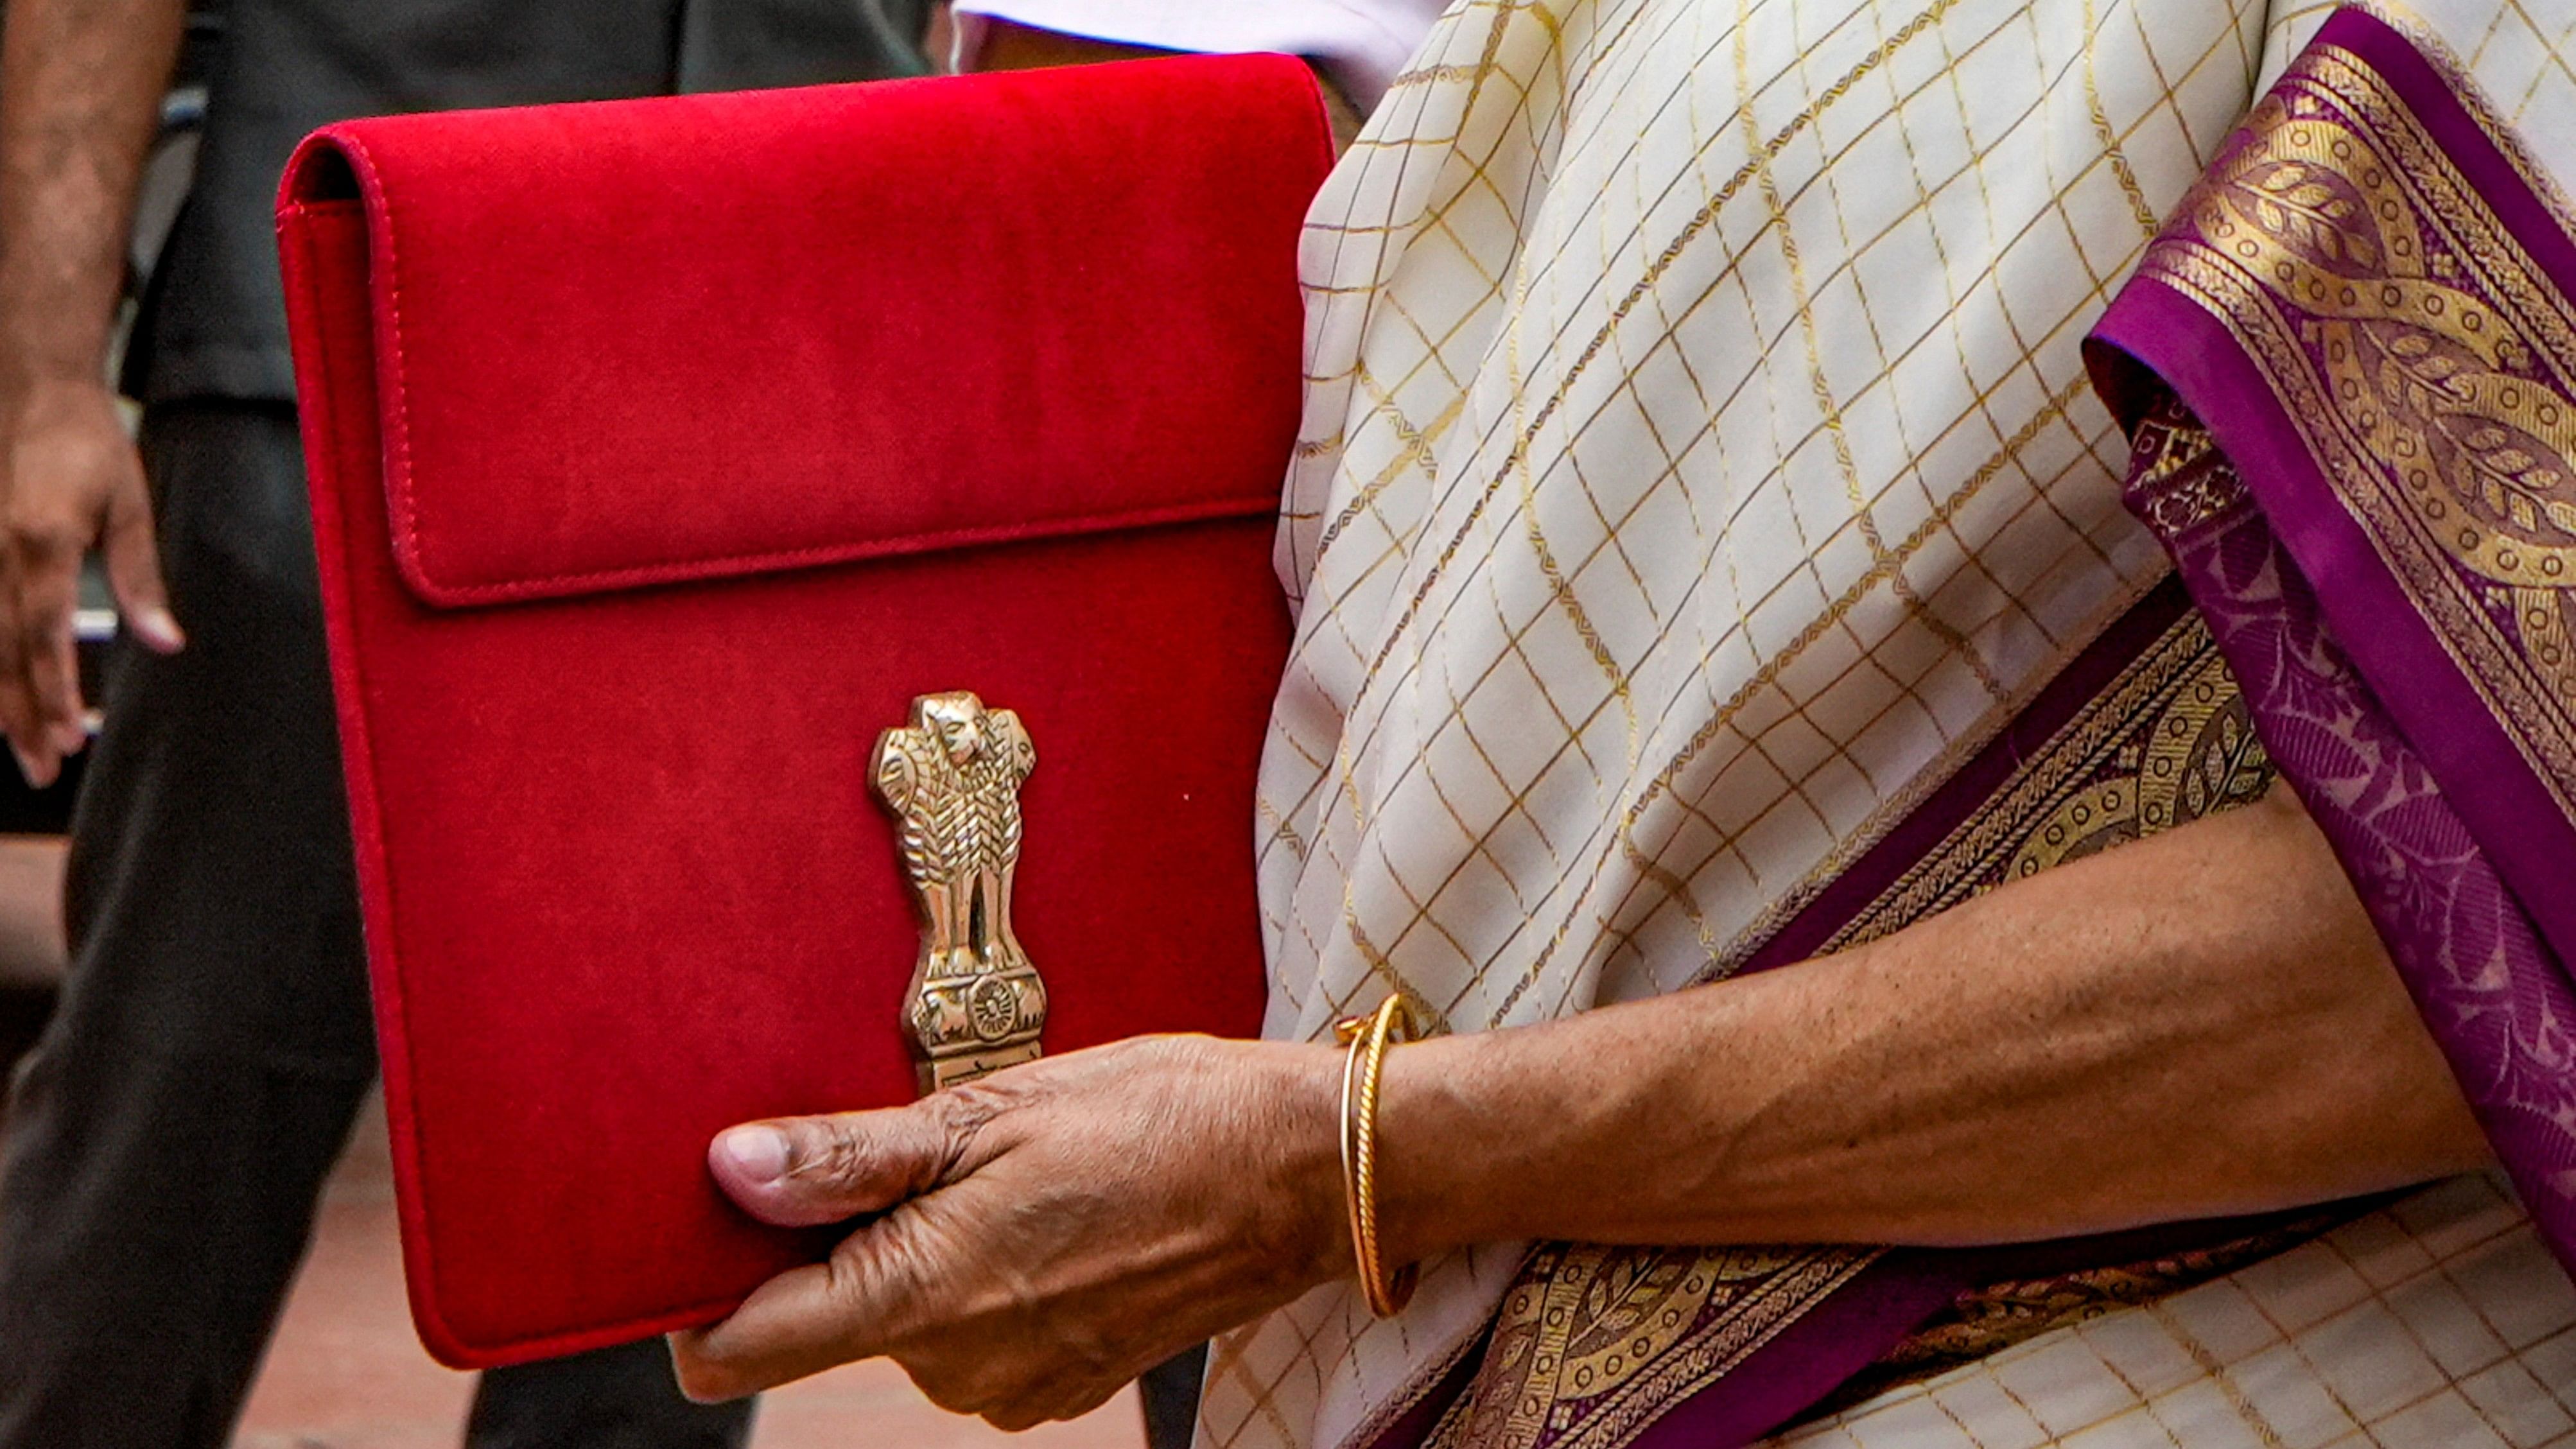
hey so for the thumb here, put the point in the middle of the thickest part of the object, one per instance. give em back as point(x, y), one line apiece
point(801, 1171)
point(133, 558)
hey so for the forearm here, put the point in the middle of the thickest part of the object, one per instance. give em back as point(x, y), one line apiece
point(2198, 1024)
point(80, 90)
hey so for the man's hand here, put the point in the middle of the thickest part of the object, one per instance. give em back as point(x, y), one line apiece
point(1047, 1233)
point(69, 480)
point(80, 87)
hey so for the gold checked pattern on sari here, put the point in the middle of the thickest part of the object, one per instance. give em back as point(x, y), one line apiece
point(1594, 1342)
point(2431, 361)
point(1736, 340)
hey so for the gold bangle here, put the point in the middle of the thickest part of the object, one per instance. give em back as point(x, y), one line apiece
point(1368, 1037)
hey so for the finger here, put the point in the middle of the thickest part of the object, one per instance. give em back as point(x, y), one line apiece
point(803, 1171)
point(48, 592)
point(1060, 1401)
point(17, 707)
point(29, 720)
point(133, 557)
point(69, 726)
point(801, 1322)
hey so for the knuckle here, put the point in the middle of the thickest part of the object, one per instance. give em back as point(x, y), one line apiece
point(853, 1271)
point(965, 1109)
point(41, 539)
point(828, 1152)
point(866, 1275)
point(959, 1121)
point(1087, 1349)
point(958, 1390)
point(1013, 1418)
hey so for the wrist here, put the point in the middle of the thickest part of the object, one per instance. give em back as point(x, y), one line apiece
point(1302, 1089)
point(1436, 1188)
point(32, 387)
point(1417, 1182)
point(55, 406)
point(1512, 1134)
point(50, 346)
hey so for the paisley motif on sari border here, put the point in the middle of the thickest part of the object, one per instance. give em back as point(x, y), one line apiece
point(2427, 362)
point(1594, 1343)
point(2431, 367)
point(2167, 743)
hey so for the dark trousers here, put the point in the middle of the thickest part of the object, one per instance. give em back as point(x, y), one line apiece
point(172, 1129)
point(1170, 1394)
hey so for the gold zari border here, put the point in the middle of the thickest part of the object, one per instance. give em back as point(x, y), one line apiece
point(1594, 1343)
point(2426, 360)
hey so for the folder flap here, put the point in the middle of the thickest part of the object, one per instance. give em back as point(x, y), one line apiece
point(640, 342)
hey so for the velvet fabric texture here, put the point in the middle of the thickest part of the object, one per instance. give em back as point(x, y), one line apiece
point(662, 451)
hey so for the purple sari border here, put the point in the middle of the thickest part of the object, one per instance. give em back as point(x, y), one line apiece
point(1813, 1355)
point(2541, 224)
point(1413, 1427)
point(2415, 678)
point(1976, 782)
point(1809, 1359)
point(2506, 835)
point(2478, 968)
point(1851, 1330)
point(2415, 743)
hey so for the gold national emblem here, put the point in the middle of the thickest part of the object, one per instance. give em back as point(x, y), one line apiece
point(952, 778)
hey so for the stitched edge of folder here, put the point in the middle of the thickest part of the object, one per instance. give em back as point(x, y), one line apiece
point(426, 1313)
point(397, 430)
point(428, 1308)
point(549, 586)
point(411, 552)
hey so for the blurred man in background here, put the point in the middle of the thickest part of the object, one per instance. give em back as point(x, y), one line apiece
point(170, 1132)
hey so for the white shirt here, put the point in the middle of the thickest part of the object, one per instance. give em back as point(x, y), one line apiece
point(1360, 44)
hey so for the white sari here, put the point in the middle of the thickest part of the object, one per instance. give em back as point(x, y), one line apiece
point(1698, 464)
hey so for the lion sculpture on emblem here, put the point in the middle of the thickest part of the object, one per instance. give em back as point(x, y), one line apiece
point(952, 778)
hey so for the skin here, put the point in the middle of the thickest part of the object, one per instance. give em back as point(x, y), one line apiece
point(80, 90)
point(32, 949)
point(2070, 1053)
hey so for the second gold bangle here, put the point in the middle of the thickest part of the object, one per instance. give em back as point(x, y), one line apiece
point(1368, 1038)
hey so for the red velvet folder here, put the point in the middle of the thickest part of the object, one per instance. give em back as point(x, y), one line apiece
point(662, 451)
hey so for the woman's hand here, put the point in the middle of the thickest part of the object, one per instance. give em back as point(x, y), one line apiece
point(1047, 1233)
point(2198, 1024)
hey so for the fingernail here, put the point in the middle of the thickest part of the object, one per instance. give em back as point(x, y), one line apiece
point(27, 767)
point(756, 1154)
point(158, 630)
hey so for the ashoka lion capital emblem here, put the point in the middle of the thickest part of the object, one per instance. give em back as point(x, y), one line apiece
point(952, 778)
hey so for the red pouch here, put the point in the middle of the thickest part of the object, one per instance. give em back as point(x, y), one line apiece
point(661, 452)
